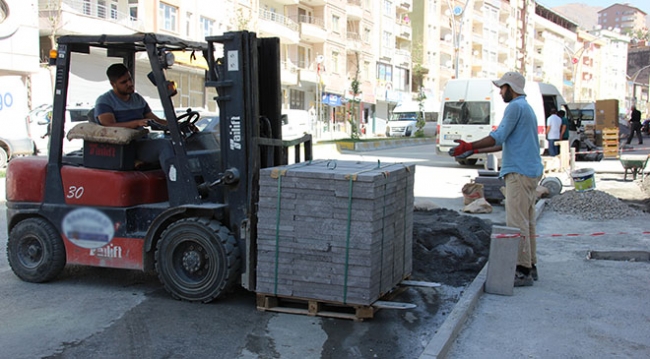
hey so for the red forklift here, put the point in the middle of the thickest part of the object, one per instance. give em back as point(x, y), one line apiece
point(96, 207)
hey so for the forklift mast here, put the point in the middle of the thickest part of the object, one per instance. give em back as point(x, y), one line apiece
point(247, 80)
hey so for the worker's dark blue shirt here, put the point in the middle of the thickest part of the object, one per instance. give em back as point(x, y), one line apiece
point(124, 111)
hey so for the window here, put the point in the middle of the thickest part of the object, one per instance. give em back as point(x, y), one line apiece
point(133, 9)
point(188, 24)
point(207, 26)
point(114, 9)
point(167, 15)
point(86, 7)
point(384, 72)
point(101, 8)
point(296, 99)
point(335, 61)
point(366, 70)
point(366, 35)
point(387, 39)
point(304, 57)
point(335, 23)
point(402, 79)
point(388, 7)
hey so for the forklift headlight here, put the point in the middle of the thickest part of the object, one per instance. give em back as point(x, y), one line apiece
point(166, 59)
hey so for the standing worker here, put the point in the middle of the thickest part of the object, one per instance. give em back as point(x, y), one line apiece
point(553, 131)
point(521, 168)
point(564, 132)
point(635, 125)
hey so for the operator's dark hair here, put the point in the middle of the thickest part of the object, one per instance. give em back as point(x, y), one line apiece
point(115, 71)
point(561, 113)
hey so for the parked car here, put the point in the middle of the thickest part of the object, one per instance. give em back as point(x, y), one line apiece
point(14, 139)
point(39, 123)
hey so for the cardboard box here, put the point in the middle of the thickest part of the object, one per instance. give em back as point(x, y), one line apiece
point(606, 114)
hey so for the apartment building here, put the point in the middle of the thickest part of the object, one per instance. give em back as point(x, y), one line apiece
point(555, 39)
point(586, 61)
point(611, 82)
point(19, 57)
point(628, 19)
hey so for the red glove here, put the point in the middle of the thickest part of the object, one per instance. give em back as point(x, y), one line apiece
point(461, 148)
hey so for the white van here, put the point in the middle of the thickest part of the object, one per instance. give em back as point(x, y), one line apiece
point(295, 123)
point(472, 108)
point(403, 120)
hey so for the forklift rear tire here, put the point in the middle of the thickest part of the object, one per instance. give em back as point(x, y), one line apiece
point(197, 259)
point(35, 250)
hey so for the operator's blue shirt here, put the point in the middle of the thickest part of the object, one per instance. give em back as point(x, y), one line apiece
point(124, 111)
point(517, 133)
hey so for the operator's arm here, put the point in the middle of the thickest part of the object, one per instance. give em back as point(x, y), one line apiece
point(562, 131)
point(152, 116)
point(108, 119)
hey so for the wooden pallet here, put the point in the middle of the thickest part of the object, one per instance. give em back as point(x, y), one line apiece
point(321, 308)
point(311, 307)
point(610, 142)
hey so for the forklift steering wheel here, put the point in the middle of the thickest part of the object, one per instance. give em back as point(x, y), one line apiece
point(186, 122)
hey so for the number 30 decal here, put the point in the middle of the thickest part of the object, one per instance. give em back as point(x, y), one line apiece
point(75, 192)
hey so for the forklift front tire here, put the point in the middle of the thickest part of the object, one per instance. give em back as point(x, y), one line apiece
point(35, 250)
point(197, 259)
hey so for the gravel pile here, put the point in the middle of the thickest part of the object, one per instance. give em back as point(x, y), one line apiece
point(591, 205)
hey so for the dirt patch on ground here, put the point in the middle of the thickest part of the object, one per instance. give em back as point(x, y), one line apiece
point(451, 248)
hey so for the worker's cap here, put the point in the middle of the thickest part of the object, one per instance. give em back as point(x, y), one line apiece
point(514, 79)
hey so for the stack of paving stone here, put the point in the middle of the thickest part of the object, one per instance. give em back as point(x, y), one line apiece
point(335, 231)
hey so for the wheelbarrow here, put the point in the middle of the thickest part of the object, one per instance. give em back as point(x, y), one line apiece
point(636, 164)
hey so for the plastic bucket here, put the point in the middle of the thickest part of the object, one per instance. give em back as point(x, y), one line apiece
point(583, 179)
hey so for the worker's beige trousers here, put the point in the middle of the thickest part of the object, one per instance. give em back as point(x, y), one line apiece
point(520, 213)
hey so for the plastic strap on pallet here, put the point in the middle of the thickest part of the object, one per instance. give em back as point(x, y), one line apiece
point(353, 177)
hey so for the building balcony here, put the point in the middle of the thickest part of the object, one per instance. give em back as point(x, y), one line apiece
point(402, 58)
point(289, 73)
point(354, 42)
point(272, 24)
point(386, 53)
point(88, 18)
point(308, 76)
point(446, 47)
point(403, 31)
point(405, 5)
point(286, 2)
point(353, 10)
point(312, 29)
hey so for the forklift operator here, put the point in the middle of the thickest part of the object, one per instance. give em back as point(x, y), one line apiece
point(123, 107)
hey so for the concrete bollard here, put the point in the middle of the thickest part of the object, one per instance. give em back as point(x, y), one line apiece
point(502, 262)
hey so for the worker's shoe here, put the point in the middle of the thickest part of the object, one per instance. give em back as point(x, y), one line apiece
point(533, 272)
point(523, 278)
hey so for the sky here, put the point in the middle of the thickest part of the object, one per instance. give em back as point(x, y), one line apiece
point(643, 5)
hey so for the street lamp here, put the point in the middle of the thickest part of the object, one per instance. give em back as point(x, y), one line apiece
point(458, 12)
point(632, 81)
point(319, 93)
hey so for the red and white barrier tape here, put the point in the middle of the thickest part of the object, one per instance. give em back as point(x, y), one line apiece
point(595, 234)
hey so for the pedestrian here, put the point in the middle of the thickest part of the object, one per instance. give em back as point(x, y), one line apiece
point(635, 125)
point(564, 135)
point(553, 132)
point(521, 168)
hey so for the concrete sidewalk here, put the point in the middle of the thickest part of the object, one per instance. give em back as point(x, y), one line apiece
point(579, 307)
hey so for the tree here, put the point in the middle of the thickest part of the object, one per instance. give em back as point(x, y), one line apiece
point(419, 73)
point(353, 111)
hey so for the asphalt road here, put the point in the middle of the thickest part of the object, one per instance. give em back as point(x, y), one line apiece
point(108, 313)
